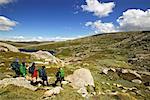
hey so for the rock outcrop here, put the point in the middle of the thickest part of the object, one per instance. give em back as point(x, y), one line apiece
point(126, 74)
point(81, 79)
point(20, 82)
point(47, 57)
point(7, 47)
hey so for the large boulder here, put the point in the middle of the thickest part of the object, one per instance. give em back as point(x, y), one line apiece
point(81, 79)
point(7, 47)
point(47, 57)
point(3, 49)
point(20, 82)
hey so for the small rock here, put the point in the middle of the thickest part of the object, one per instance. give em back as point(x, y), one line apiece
point(103, 82)
point(124, 91)
point(148, 88)
point(133, 93)
point(137, 81)
point(83, 92)
point(65, 82)
point(108, 83)
point(105, 71)
point(118, 85)
point(147, 83)
point(2, 64)
point(107, 91)
point(52, 92)
point(139, 92)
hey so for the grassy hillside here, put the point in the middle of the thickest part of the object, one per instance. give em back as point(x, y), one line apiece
point(113, 50)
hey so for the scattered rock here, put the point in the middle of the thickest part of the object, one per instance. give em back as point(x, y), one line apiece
point(124, 91)
point(118, 85)
point(83, 92)
point(137, 81)
point(108, 83)
point(52, 92)
point(20, 81)
point(128, 74)
point(2, 64)
point(148, 88)
point(147, 83)
point(106, 70)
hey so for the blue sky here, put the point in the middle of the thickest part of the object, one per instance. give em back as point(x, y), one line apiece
point(56, 19)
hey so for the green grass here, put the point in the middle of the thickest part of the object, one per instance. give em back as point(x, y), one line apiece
point(105, 50)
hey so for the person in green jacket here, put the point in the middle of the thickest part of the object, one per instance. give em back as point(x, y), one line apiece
point(23, 69)
point(60, 76)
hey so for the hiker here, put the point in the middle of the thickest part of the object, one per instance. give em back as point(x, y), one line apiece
point(34, 73)
point(23, 69)
point(43, 75)
point(16, 67)
point(59, 76)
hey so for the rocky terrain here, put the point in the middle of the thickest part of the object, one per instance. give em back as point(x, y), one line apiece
point(114, 66)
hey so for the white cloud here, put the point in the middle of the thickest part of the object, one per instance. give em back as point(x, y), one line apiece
point(6, 24)
point(131, 20)
point(38, 38)
point(6, 1)
point(134, 20)
point(99, 9)
point(18, 37)
point(100, 27)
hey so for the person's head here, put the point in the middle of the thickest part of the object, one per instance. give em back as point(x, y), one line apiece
point(60, 68)
point(17, 60)
point(43, 67)
point(33, 64)
point(23, 63)
point(23, 60)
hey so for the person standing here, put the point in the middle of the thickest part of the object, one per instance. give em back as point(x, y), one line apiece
point(34, 73)
point(60, 76)
point(23, 69)
point(16, 67)
point(43, 75)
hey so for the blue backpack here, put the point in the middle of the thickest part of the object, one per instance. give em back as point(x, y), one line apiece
point(31, 70)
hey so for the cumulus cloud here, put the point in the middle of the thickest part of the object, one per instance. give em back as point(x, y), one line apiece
point(131, 20)
point(100, 27)
point(99, 9)
point(134, 20)
point(6, 24)
point(6, 1)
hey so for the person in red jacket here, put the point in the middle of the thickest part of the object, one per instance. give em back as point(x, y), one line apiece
point(34, 74)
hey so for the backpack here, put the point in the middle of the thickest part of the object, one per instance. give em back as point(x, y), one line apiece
point(58, 74)
point(40, 72)
point(15, 66)
point(31, 70)
point(62, 74)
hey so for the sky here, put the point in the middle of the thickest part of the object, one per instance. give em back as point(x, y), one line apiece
point(54, 20)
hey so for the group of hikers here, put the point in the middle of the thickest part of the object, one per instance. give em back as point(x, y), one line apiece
point(21, 70)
